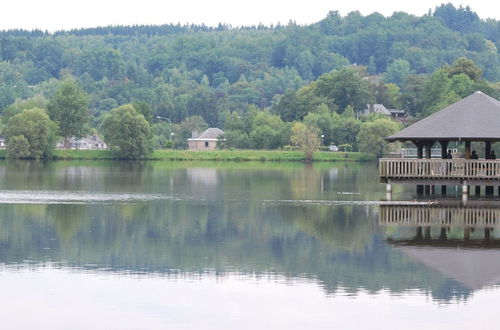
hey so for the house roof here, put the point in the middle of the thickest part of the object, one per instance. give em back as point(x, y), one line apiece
point(209, 134)
point(396, 111)
point(474, 118)
point(377, 108)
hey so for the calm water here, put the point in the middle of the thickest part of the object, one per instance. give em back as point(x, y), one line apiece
point(159, 245)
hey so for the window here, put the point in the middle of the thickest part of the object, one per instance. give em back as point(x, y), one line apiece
point(206, 144)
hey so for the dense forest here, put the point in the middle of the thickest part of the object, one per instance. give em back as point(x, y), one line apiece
point(254, 81)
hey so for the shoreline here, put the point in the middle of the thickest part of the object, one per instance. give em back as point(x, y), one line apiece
point(215, 155)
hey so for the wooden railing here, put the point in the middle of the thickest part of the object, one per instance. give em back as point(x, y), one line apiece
point(439, 216)
point(464, 169)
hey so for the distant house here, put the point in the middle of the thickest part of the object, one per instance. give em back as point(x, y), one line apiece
point(86, 143)
point(207, 140)
point(374, 108)
point(396, 114)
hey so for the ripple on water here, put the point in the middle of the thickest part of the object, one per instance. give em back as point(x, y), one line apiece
point(77, 197)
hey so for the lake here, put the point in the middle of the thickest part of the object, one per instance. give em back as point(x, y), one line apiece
point(179, 245)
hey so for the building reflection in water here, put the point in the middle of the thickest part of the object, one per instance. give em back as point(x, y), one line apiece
point(458, 240)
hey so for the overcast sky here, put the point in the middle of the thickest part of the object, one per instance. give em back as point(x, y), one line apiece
point(54, 15)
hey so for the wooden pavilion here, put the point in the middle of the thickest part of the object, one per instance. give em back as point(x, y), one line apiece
point(475, 118)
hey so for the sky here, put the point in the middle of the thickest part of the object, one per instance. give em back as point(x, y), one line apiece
point(53, 15)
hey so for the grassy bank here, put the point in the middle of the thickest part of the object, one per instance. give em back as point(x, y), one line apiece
point(218, 155)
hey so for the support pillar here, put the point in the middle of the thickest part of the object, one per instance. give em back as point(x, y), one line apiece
point(389, 191)
point(420, 155)
point(427, 189)
point(443, 190)
point(487, 149)
point(427, 234)
point(428, 150)
point(465, 193)
point(467, 150)
point(444, 149)
point(419, 235)
point(487, 234)
point(442, 234)
point(466, 233)
point(420, 150)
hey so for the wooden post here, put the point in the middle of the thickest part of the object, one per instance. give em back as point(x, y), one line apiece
point(442, 234)
point(420, 155)
point(466, 233)
point(420, 150)
point(389, 191)
point(443, 190)
point(419, 235)
point(467, 150)
point(444, 155)
point(428, 150)
point(427, 189)
point(487, 234)
point(444, 149)
point(465, 193)
point(427, 234)
point(487, 149)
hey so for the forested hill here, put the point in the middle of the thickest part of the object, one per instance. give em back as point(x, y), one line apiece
point(185, 70)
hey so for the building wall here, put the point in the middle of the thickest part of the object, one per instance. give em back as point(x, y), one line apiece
point(202, 145)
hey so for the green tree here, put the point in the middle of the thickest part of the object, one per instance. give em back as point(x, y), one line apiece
point(371, 136)
point(322, 119)
point(68, 108)
point(185, 129)
point(37, 101)
point(30, 134)
point(235, 139)
point(19, 147)
point(345, 87)
point(345, 130)
point(127, 133)
point(144, 109)
point(162, 135)
point(306, 138)
point(465, 66)
point(397, 72)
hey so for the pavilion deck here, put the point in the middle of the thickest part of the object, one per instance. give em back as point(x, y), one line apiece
point(440, 170)
point(439, 216)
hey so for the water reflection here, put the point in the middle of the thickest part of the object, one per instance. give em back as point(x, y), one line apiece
point(457, 240)
point(204, 220)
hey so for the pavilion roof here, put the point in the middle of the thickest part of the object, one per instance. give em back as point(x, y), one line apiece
point(475, 268)
point(474, 118)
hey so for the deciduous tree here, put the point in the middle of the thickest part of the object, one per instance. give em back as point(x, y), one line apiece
point(306, 138)
point(127, 133)
point(371, 136)
point(30, 134)
point(68, 108)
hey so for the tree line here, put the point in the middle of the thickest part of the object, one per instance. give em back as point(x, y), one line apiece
point(254, 82)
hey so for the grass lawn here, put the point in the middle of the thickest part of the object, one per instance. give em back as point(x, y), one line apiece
point(217, 155)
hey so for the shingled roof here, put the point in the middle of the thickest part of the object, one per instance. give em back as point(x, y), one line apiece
point(209, 134)
point(474, 118)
